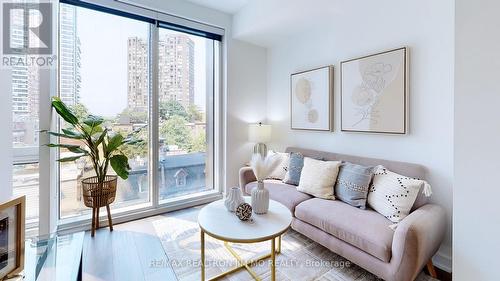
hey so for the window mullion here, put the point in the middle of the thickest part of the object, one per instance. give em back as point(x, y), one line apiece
point(153, 115)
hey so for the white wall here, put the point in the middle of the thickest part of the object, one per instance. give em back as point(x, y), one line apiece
point(246, 102)
point(6, 139)
point(476, 222)
point(426, 27)
point(245, 77)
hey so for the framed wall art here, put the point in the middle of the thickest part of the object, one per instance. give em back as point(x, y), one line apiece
point(12, 215)
point(311, 99)
point(374, 93)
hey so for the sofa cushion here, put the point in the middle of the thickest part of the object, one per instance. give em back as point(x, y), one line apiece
point(353, 183)
point(280, 171)
point(284, 193)
point(392, 194)
point(364, 229)
point(295, 164)
point(318, 177)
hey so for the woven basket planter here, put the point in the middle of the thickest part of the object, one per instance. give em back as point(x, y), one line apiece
point(97, 195)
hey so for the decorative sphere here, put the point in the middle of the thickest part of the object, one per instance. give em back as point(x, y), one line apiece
point(244, 211)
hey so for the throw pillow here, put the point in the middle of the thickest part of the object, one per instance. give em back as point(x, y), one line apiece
point(353, 183)
point(318, 177)
point(280, 171)
point(393, 195)
point(295, 165)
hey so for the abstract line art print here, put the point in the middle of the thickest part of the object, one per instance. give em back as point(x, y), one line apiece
point(374, 93)
point(311, 96)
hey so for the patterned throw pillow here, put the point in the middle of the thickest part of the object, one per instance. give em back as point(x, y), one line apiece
point(280, 171)
point(353, 183)
point(295, 165)
point(318, 177)
point(393, 195)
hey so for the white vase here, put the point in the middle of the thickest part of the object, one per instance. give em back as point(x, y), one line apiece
point(234, 198)
point(260, 199)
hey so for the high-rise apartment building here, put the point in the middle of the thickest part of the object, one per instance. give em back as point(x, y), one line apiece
point(26, 79)
point(20, 90)
point(25, 88)
point(70, 56)
point(137, 74)
point(176, 71)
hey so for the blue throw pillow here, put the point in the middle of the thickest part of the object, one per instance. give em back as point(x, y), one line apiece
point(353, 183)
point(295, 165)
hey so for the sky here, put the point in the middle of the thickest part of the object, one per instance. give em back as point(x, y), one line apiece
point(103, 40)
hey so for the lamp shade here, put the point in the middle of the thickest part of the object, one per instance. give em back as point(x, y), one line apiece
point(259, 133)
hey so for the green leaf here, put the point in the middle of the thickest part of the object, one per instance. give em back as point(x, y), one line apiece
point(93, 120)
point(65, 135)
point(119, 163)
point(132, 141)
point(97, 129)
point(114, 142)
point(71, 147)
point(76, 135)
point(64, 111)
point(87, 129)
point(101, 138)
point(71, 158)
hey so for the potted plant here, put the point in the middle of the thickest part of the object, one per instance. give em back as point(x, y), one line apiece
point(102, 147)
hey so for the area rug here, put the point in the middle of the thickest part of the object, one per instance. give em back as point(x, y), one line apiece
point(301, 259)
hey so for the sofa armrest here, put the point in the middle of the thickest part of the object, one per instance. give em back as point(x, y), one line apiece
point(246, 176)
point(416, 239)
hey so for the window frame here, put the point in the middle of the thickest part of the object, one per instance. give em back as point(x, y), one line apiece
point(214, 119)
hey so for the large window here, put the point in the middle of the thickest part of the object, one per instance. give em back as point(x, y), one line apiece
point(104, 71)
point(145, 78)
point(25, 117)
point(185, 76)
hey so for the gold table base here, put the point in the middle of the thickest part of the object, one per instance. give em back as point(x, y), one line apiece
point(241, 263)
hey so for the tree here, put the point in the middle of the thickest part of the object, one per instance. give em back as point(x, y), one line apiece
point(139, 149)
point(176, 132)
point(198, 142)
point(135, 116)
point(194, 114)
point(172, 108)
point(80, 110)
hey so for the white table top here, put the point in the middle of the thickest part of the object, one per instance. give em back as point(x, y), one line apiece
point(218, 222)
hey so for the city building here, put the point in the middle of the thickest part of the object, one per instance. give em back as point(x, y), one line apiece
point(175, 71)
point(24, 88)
point(26, 78)
point(137, 74)
point(70, 56)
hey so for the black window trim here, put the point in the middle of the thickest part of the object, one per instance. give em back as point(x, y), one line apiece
point(158, 23)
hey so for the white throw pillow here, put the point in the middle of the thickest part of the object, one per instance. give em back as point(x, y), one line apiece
point(279, 172)
point(318, 177)
point(393, 195)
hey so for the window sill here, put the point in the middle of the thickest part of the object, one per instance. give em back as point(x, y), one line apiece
point(82, 223)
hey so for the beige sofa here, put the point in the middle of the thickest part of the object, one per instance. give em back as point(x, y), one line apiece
point(363, 236)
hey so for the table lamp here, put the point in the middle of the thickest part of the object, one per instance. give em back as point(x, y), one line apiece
point(259, 134)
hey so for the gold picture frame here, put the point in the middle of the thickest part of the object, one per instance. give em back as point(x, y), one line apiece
point(12, 211)
point(317, 104)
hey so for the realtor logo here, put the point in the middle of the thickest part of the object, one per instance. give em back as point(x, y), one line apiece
point(27, 28)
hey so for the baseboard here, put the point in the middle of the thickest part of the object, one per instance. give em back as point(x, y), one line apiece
point(442, 260)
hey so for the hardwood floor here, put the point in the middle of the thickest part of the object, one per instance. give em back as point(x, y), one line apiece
point(132, 252)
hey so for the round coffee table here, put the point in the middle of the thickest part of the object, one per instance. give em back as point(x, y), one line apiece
point(216, 221)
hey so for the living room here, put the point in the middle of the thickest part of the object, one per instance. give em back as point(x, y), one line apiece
point(248, 140)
